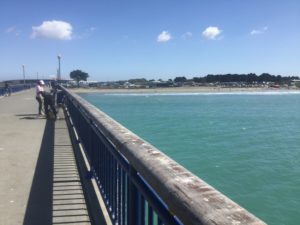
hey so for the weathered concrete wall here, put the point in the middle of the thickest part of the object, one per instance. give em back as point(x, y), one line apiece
point(187, 196)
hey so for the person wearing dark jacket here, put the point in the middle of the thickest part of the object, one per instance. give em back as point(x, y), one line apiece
point(49, 103)
point(7, 89)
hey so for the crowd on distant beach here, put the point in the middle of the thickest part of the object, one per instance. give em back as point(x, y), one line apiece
point(200, 89)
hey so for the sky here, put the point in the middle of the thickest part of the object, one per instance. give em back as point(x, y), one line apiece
point(152, 39)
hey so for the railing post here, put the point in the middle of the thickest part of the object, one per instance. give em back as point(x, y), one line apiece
point(132, 202)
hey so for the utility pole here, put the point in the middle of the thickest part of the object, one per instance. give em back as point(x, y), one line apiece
point(58, 72)
point(23, 67)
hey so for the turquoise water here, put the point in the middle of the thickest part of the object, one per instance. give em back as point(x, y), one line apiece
point(246, 145)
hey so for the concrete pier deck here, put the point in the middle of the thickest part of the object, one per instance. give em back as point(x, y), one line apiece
point(39, 181)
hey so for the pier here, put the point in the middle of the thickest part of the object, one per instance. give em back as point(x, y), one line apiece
point(39, 180)
point(85, 168)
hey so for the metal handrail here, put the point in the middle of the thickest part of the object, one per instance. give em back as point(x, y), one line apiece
point(140, 183)
point(14, 88)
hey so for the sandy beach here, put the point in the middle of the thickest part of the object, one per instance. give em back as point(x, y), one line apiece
point(178, 90)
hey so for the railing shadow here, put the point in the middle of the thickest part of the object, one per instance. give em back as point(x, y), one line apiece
point(39, 206)
point(29, 116)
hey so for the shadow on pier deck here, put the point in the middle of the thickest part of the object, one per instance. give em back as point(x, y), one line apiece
point(39, 206)
point(56, 195)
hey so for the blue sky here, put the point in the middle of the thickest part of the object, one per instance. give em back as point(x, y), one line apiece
point(119, 40)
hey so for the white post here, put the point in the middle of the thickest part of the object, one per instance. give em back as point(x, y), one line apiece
point(58, 72)
point(23, 67)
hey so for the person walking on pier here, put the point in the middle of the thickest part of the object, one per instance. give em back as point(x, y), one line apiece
point(38, 90)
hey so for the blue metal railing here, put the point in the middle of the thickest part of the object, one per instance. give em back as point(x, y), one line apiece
point(128, 197)
point(139, 184)
point(14, 88)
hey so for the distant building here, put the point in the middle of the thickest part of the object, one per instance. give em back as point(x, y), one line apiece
point(296, 83)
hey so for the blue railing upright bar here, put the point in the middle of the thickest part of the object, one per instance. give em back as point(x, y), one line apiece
point(125, 192)
point(139, 184)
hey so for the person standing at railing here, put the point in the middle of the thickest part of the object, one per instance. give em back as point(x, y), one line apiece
point(7, 89)
point(38, 90)
point(49, 105)
point(53, 85)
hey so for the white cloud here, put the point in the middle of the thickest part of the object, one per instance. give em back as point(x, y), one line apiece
point(260, 31)
point(164, 36)
point(92, 29)
point(10, 29)
point(187, 35)
point(53, 30)
point(13, 30)
point(87, 33)
point(211, 33)
point(254, 32)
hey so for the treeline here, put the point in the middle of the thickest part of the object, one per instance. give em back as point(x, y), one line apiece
point(246, 78)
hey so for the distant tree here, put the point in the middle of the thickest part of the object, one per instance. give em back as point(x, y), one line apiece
point(138, 81)
point(180, 79)
point(199, 79)
point(266, 77)
point(240, 78)
point(251, 77)
point(78, 75)
point(211, 78)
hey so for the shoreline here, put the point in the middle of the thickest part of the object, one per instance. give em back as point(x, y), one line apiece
point(180, 90)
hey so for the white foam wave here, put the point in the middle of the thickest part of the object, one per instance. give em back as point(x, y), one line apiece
point(208, 93)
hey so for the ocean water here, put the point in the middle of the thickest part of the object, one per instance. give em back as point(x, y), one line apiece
point(246, 145)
